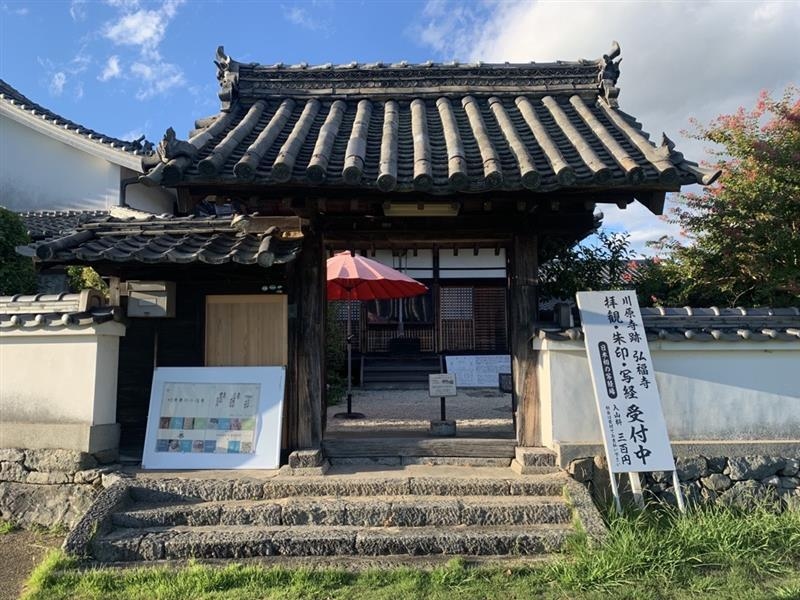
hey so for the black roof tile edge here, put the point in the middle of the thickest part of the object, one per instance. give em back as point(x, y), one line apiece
point(139, 147)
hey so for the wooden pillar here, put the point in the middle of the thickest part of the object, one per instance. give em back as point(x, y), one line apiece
point(305, 377)
point(524, 313)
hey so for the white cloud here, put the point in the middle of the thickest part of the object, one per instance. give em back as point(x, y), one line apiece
point(112, 69)
point(142, 28)
point(57, 83)
point(79, 63)
point(132, 134)
point(680, 59)
point(156, 78)
point(77, 10)
point(126, 4)
point(19, 12)
point(301, 17)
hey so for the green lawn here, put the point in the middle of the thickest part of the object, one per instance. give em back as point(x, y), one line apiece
point(709, 553)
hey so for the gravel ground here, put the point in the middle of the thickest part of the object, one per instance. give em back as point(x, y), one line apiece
point(479, 410)
point(20, 552)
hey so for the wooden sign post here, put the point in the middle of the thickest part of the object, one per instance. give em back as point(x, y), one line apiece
point(628, 404)
point(442, 385)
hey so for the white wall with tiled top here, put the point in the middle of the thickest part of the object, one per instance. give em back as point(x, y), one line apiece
point(40, 173)
point(59, 387)
point(710, 391)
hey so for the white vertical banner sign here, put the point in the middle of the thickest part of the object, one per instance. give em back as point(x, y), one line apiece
point(623, 378)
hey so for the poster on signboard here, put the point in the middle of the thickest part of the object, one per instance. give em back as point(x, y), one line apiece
point(214, 418)
point(481, 370)
point(628, 402)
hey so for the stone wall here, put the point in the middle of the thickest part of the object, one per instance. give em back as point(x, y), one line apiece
point(49, 487)
point(736, 481)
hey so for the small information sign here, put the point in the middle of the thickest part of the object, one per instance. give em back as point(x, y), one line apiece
point(628, 403)
point(442, 385)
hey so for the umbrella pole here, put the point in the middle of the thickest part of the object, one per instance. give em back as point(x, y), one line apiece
point(349, 358)
point(349, 414)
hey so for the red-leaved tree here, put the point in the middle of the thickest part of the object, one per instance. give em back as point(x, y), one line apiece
point(741, 243)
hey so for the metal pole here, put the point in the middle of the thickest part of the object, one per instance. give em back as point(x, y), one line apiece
point(615, 491)
point(636, 488)
point(676, 485)
point(441, 406)
point(349, 356)
point(349, 414)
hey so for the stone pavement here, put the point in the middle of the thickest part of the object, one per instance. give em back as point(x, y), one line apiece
point(475, 410)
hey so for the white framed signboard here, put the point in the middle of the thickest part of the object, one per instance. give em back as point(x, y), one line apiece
point(628, 402)
point(478, 370)
point(442, 384)
point(215, 418)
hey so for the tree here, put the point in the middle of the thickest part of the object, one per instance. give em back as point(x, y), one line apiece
point(741, 235)
point(604, 264)
point(17, 275)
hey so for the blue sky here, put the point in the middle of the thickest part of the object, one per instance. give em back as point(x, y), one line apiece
point(125, 67)
point(133, 67)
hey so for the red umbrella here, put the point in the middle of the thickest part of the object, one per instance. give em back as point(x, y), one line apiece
point(358, 278)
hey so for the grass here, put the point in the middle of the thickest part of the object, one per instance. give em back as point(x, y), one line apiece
point(7, 527)
point(709, 553)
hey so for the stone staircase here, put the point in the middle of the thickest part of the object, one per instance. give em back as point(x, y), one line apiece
point(403, 372)
point(413, 511)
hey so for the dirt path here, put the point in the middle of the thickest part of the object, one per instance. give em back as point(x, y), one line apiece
point(20, 552)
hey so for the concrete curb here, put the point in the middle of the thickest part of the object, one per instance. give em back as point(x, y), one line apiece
point(97, 519)
point(586, 512)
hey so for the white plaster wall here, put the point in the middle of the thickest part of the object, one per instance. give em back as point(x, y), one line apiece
point(151, 199)
point(485, 265)
point(60, 376)
point(466, 265)
point(716, 391)
point(40, 173)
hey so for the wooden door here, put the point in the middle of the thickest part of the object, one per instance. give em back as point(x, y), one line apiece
point(246, 331)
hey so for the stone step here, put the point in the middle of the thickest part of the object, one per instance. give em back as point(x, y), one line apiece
point(398, 461)
point(243, 542)
point(419, 446)
point(399, 511)
point(175, 489)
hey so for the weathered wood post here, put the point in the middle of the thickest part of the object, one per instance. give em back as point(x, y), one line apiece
point(524, 313)
point(306, 369)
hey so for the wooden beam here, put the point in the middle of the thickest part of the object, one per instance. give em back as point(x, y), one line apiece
point(524, 312)
point(305, 398)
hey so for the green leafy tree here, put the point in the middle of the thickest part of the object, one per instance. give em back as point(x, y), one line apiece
point(17, 275)
point(82, 278)
point(740, 240)
point(601, 264)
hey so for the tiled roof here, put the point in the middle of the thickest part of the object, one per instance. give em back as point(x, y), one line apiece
point(55, 310)
point(44, 225)
point(11, 98)
point(162, 239)
point(709, 325)
point(437, 128)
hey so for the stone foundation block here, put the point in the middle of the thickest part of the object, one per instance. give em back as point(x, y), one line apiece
point(12, 455)
point(303, 459)
point(754, 467)
point(443, 428)
point(46, 505)
point(10, 471)
point(53, 477)
point(57, 459)
point(581, 469)
point(535, 457)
